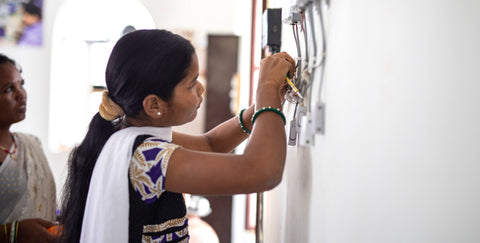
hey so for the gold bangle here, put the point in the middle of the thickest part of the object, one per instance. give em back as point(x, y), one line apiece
point(12, 231)
point(6, 233)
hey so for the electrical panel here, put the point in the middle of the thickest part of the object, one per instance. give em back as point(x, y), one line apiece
point(307, 22)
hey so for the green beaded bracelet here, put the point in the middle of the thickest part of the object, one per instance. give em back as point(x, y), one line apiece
point(269, 108)
point(241, 122)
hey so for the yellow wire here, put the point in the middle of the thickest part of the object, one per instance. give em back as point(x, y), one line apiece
point(291, 84)
point(293, 87)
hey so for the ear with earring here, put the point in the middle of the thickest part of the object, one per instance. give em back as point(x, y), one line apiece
point(159, 113)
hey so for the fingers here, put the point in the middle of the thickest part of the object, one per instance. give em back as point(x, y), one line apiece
point(275, 68)
point(35, 230)
point(282, 57)
point(50, 238)
point(46, 223)
point(285, 56)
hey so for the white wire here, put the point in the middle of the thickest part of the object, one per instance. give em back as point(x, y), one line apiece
point(324, 50)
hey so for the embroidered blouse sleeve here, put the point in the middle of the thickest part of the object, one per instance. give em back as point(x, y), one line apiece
point(148, 168)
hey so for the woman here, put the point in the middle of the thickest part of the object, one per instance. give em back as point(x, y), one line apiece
point(127, 177)
point(27, 187)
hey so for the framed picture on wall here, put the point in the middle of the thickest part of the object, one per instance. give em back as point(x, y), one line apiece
point(21, 22)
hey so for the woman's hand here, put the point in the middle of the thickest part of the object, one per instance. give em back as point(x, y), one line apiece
point(274, 69)
point(34, 230)
point(272, 79)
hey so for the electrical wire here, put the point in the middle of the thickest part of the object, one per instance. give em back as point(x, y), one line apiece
point(299, 66)
point(324, 49)
point(295, 36)
point(305, 36)
point(314, 44)
point(312, 27)
point(307, 87)
point(309, 63)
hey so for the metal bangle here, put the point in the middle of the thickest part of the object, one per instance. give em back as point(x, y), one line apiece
point(13, 228)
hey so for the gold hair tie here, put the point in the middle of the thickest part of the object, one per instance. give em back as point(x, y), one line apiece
point(108, 109)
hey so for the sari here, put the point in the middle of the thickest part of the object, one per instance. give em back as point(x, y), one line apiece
point(27, 186)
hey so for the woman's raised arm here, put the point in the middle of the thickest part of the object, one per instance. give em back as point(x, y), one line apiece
point(261, 165)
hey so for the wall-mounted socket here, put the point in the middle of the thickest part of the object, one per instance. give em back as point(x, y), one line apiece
point(305, 135)
point(292, 135)
point(318, 114)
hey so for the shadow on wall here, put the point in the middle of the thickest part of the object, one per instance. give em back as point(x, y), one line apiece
point(288, 206)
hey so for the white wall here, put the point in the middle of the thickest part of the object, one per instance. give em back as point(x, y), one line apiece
point(399, 159)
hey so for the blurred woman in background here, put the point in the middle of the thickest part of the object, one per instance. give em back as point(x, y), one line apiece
point(27, 187)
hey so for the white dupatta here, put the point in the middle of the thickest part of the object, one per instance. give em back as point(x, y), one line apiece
point(107, 208)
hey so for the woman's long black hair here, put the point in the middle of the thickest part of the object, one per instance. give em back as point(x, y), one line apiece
point(142, 62)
